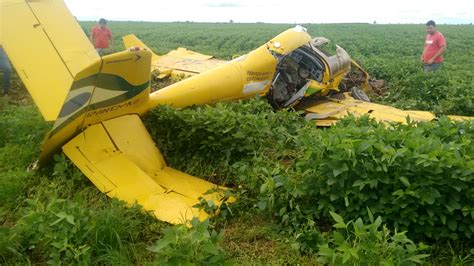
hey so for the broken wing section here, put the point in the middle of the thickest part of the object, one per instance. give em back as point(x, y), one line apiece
point(47, 48)
point(176, 63)
point(121, 159)
point(326, 112)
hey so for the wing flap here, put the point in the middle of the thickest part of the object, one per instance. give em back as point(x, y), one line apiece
point(328, 111)
point(460, 118)
point(121, 159)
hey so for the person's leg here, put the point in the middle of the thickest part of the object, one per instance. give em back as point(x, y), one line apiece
point(6, 68)
point(6, 80)
point(100, 51)
point(436, 66)
point(427, 67)
point(433, 67)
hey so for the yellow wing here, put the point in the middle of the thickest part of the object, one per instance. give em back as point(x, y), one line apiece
point(47, 47)
point(327, 111)
point(179, 62)
point(121, 159)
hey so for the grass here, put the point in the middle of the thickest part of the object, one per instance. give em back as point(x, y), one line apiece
point(256, 239)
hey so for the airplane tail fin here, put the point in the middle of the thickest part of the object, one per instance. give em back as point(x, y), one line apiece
point(100, 131)
point(47, 47)
point(116, 85)
point(131, 41)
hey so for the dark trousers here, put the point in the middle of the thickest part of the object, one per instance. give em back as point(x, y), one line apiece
point(6, 69)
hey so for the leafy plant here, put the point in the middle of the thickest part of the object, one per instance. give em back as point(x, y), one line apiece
point(58, 230)
point(419, 177)
point(356, 243)
point(182, 245)
point(213, 210)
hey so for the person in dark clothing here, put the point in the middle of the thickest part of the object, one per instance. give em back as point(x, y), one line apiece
point(6, 69)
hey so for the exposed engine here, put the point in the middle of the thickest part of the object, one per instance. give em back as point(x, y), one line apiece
point(293, 72)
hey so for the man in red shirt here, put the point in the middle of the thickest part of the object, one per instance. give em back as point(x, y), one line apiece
point(435, 45)
point(101, 36)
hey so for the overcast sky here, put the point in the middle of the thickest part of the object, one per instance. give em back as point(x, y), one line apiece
point(274, 11)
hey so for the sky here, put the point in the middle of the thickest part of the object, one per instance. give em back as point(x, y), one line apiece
point(275, 11)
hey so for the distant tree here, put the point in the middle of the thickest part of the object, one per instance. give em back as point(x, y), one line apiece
point(231, 21)
point(375, 22)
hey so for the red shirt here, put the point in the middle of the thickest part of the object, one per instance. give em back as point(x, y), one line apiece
point(433, 44)
point(101, 36)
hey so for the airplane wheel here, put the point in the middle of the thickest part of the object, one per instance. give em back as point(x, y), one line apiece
point(359, 94)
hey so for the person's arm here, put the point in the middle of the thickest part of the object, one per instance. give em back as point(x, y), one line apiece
point(423, 53)
point(440, 52)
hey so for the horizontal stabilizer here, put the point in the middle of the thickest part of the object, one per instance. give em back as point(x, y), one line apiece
point(179, 62)
point(121, 159)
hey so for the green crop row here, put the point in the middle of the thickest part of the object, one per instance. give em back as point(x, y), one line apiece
point(289, 177)
point(419, 177)
point(389, 52)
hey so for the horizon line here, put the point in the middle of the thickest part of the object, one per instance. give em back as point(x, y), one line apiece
point(281, 23)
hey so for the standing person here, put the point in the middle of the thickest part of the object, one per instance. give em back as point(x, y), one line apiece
point(435, 45)
point(101, 36)
point(6, 68)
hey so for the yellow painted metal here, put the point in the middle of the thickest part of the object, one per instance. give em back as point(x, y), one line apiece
point(328, 84)
point(326, 112)
point(365, 86)
point(177, 63)
point(121, 159)
point(315, 87)
point(121, 73)
point(243, 77)
point(460, 118)
point(287, 41)
point(47, 47)
point(131, 41)
point(333, 84)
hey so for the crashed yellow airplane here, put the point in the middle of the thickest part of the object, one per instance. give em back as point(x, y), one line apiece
point(96, 102)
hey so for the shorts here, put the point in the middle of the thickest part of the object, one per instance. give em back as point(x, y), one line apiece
point(432, 67)
point(100, 51)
